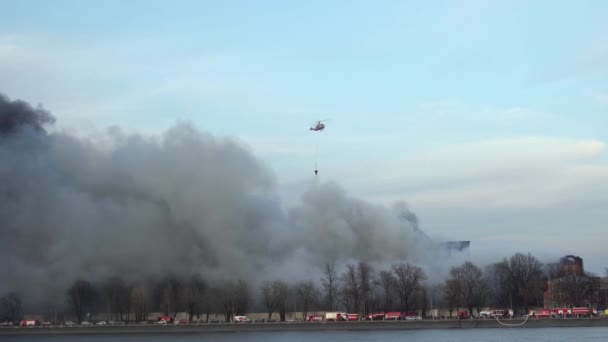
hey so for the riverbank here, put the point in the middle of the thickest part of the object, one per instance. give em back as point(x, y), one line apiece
point(317, 326)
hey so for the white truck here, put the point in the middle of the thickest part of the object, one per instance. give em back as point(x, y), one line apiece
point(241, 319)
point(336, 316)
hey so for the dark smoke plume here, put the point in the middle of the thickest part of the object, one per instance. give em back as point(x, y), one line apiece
point(18, 115)
point(183, 203)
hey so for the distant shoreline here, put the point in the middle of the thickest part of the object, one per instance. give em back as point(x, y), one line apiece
point(316, 326)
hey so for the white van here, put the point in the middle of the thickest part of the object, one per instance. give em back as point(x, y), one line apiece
point(241, 319)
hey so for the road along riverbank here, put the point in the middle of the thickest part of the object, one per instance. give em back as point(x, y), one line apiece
point(251, 327)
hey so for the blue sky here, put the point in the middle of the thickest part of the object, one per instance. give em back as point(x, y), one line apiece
point(488, 117)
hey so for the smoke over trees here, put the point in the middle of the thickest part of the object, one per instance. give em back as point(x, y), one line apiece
point(527, 275)
point(10, 307)
point(193, 291)
point(282, 296)
point(307, 294)
point(132, 224)
point(469, 284)
point(408, 280)
point(366, 275)
point(270, 294)
point(330, 285)
point(387, 282)
point(81, 296)
point(500, 284)
point(181, 203)
point(118, 298)
point(516, 281)
point(577, 290)
point(351, 292)
point(168, 292)
point(141, 299)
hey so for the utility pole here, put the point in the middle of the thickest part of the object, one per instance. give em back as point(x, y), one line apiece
point(432, 310)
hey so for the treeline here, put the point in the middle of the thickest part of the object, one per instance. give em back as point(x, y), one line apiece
point(516, 282)
point(170, 295)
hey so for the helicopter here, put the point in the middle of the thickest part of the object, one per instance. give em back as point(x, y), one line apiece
point(319, 126)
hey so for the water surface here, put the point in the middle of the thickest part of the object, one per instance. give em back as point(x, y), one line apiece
point(423, 335)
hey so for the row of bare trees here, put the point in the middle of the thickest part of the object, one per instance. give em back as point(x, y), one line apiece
point(359, 289)
point(120, 300)
point(10, 307)
point(516, 282)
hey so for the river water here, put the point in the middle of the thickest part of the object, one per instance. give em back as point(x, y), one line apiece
point(423, 335)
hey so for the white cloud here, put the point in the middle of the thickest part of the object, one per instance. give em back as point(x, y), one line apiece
point(442, 110)
point(480, 163)
point(501, 194)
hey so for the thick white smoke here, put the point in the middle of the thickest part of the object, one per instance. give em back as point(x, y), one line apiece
point(185, 202)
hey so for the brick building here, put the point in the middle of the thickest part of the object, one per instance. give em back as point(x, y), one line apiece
point(603, 295)
point(570, 286)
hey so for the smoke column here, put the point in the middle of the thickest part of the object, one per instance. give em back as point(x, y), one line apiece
point(184, 202)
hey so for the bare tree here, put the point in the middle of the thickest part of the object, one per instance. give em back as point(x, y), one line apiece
point(352, 285)
point(423, 300)
point(282, 296)
point(329, 282)
point(269, 297)
point(168, 294)
point(469, 281)
point(452, 295)
point(242, 297)
point(118, 298)
point(345, 297)
point(306, 292)
point(10, 307)
point(387, 282)
point(527, 272)
point(193, 291)
point(365, 273)
point(436, 298)
point(213, 301)
point(235, 299)
point(576, 290)
point(481, 294)
point(140, 299)
point(408, 279)
point(375, 298)
point(500, 284)
point(225, 293)
point(275, 297)
point(81, 296)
